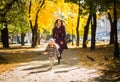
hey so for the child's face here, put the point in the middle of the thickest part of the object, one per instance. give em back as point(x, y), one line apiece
point(51, 42)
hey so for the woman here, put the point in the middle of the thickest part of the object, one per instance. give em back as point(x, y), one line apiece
point(59, 36)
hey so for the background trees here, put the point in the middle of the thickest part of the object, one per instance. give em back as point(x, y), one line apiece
point(13, 20)
point(100, 7)
point(5, 8)
point(80, 18)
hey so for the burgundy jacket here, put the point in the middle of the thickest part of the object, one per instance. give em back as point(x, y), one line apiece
point(59, 35)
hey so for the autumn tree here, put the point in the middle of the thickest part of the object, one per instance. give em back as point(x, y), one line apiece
point(4, 11)
point(93, 23)
point(78, 18)
point(77, 28)
point(34, 27)
point(112, 6)
point(13, 20)
point(116, 47)
point(108, 4)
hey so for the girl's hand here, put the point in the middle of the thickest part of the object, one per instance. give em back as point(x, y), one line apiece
point(45, 53)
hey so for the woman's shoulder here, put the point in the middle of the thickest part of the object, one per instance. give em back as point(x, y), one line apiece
point(63, 27)
point(54, 28)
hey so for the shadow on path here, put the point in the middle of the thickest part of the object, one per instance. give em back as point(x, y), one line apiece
point(65, 71)
point(3, 60)
point(45, 70)
point(38, 67)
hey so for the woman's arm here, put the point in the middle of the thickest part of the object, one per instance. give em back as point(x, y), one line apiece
point(63, 34)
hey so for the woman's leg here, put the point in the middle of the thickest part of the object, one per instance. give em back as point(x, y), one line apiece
point(60, 56)
point(59, 60)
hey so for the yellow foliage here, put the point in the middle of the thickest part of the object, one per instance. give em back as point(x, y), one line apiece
point(58, 1)
point(55, 9)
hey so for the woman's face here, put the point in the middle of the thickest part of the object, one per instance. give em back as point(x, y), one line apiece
point(59, 23)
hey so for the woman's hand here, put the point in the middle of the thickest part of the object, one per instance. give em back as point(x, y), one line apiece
point(61, 42)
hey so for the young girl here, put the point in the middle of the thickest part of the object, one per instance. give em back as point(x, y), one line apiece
point(52, 51)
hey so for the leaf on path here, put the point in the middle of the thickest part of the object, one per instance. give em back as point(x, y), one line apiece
point(90, 58)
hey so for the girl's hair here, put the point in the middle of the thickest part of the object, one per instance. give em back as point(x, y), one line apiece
point(51, 40)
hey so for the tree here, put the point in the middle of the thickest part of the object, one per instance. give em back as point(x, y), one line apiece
point(108, 7)
point(78, 19)
point(15, 19)
point(112, 29)
point(93, 5)
point(77, 28)
point(23, 27)
point(86, 29)
point(93, 32)
point(34, 27)
point(116, 47)
point(113, 34)
point(4, 32)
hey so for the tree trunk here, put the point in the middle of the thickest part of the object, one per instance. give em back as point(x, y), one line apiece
point(4, 34)
point(86, 29)
point(35, 31)
point(93, 32)
point(34, 36)
point(33, 39)
point(32, 44)
point(22, 39)
point(112, 29)
point(116, 47)
point(77, 29)
point(33, 28)
point(38, 37)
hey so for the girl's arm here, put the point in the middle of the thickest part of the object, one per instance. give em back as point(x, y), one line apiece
point(46, 50)
point(56, 50)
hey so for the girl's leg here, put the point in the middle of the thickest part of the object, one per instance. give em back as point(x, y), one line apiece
point(52, 59)
point(51, 63)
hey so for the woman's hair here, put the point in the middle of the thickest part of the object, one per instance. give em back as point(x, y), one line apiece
point(57, 22)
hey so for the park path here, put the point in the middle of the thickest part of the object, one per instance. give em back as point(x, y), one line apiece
point(37, 70)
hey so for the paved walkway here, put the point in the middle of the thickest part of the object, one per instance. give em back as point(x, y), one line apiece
point(37, 70)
